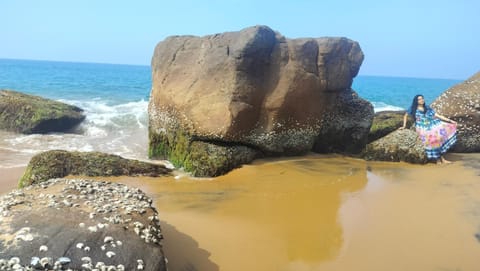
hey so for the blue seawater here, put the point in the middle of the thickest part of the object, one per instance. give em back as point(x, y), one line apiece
point(115, 100)
point(396, 93)
point(111, 83)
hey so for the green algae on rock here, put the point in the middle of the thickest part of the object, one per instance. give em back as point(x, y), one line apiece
point(30, 114)
point(385, 122)
point(201, 159)
point(59, 163)
point(212, 159)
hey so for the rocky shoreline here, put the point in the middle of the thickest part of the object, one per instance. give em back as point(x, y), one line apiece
point(245, 97)
point(220, 101)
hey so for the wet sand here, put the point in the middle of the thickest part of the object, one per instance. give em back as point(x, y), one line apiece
point(9, 178)
point(322, 213)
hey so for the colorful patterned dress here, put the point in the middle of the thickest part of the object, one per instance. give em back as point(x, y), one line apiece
point(436, 135)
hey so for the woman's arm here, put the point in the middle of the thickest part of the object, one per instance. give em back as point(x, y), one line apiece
point(404, 121)
point(444, 118)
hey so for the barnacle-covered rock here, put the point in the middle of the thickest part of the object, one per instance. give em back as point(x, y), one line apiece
point(462, 104)
point(39, 231)
point(400, 145)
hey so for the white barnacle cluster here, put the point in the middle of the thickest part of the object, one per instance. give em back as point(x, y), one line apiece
point(88, 264)
point(56, 201)
point(285, 136)
point(140, 264)
point(24, 234)
point(36, 263)
point(10, 200)
point(117, 205)
point(150, 233)
point(82, 246)
point(163, 116)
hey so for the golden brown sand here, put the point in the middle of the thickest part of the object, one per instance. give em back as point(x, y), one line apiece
point(322, 213)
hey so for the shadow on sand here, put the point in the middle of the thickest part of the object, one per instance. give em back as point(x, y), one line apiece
point(182, 251)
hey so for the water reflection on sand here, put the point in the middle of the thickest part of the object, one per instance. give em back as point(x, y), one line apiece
point(322, 213)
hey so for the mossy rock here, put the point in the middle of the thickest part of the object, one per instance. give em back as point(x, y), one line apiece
point(401, 145)
point(58, 164)
point(200, 158)
point(172, 146)
point(385, 122)
point(29, 114)
point(213, 159)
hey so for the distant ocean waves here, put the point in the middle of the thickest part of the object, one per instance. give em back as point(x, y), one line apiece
point(381, 106)
point(118, 129)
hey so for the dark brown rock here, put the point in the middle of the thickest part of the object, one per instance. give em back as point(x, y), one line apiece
point(32, 114)
point(345, 129)
point(400, 145)
point(58, 164)
point(462, 104)
point(109, 223)
point(258, 91)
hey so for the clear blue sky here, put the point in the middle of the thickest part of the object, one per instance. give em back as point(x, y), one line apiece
point(414, 38)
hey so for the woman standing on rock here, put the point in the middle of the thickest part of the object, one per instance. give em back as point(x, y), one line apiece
point(437, 132)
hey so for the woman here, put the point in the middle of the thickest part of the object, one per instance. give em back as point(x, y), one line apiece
point(437, 132)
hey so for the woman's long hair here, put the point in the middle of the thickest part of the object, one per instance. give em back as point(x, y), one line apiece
point(413, 108)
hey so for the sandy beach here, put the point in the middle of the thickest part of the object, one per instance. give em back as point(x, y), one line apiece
point(319, 213)
point(9, 178)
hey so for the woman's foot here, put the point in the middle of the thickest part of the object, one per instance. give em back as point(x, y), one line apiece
point(439, 161)
point(444, 161)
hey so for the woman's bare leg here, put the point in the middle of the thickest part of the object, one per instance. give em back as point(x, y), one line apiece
point(445, 161)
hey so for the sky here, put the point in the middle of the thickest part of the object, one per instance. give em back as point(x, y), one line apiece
point(408, 38)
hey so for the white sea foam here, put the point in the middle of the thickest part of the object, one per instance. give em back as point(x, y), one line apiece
point(381, 106)
point(118, 129)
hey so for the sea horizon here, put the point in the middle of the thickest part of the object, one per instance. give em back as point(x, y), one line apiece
point(148, 65)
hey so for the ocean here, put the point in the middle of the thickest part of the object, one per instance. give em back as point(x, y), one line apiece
point(115, 99)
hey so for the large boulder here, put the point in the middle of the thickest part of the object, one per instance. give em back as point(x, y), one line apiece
point(250, 93)
point(29, 114)
point(79, 225)
point(462, 104)
point(59, 163)
point(400, 145)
